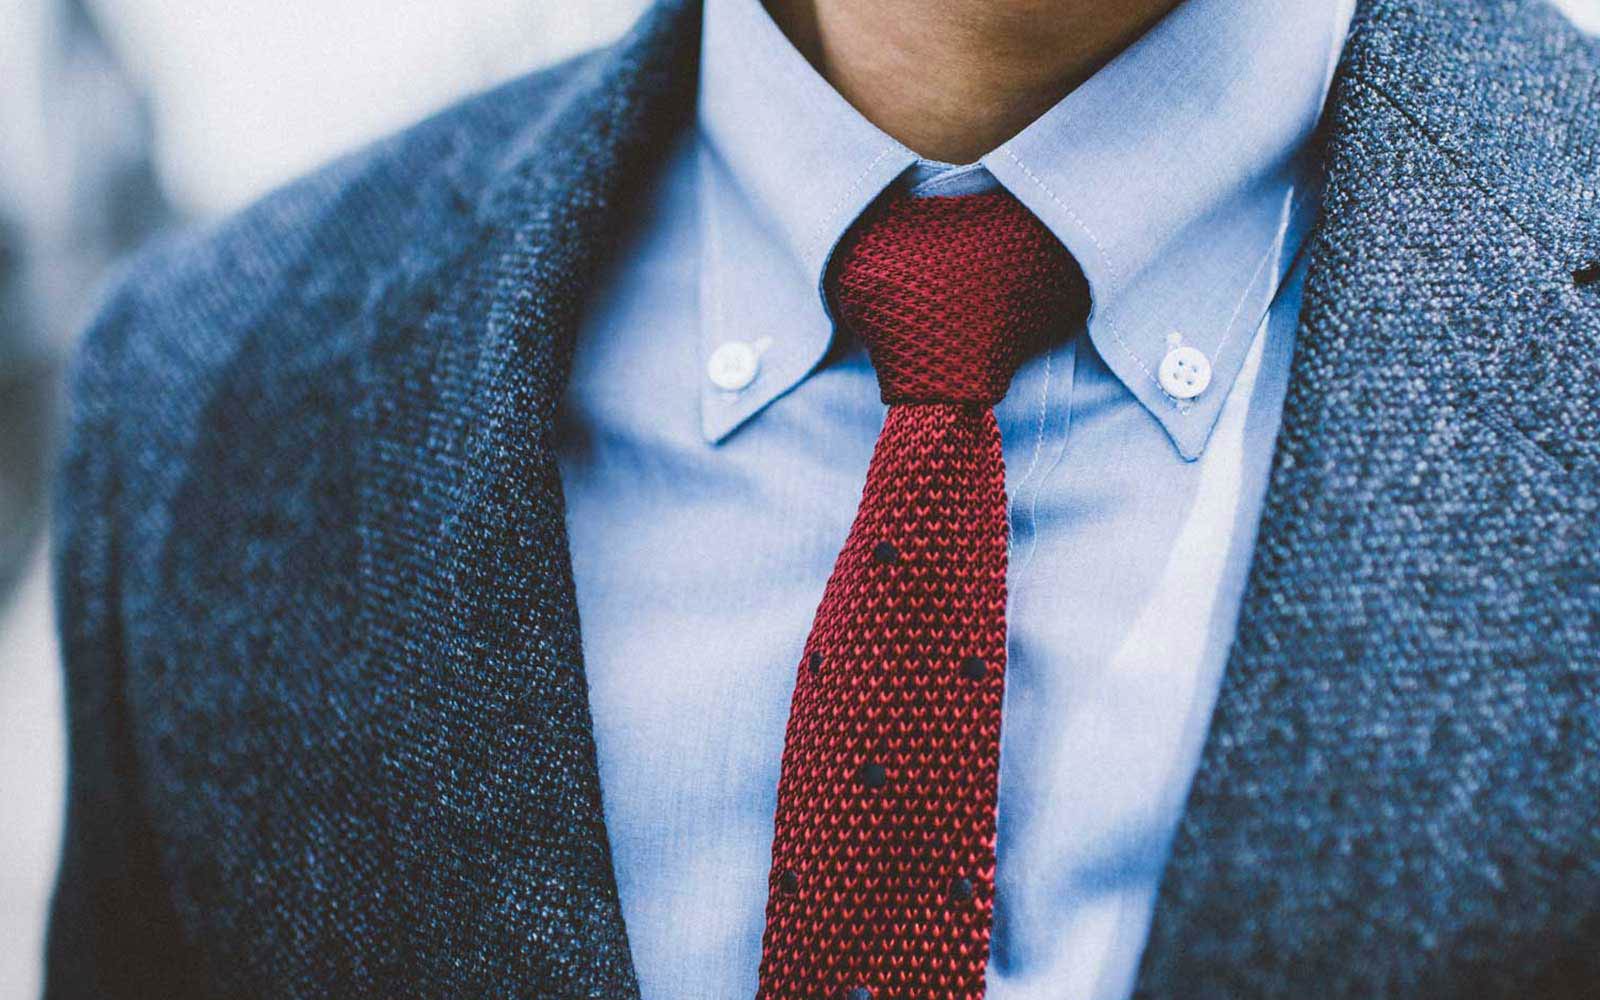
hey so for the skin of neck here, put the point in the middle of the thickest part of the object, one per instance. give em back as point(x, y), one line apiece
point(953, 79)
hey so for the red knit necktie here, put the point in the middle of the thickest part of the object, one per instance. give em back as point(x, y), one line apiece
point(882, 884)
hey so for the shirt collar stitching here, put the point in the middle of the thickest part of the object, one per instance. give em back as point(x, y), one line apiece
point(1182, 407)
point(816, 241)
point(1112, 271)
point(1094, 240)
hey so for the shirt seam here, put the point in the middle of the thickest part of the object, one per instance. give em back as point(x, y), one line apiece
point(1111, 267)
point(1038, 441)
point(1296, 200)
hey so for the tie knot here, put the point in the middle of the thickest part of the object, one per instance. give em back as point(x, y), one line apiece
point(951, 294)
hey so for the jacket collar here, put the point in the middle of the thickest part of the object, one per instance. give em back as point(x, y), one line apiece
point(472, 344)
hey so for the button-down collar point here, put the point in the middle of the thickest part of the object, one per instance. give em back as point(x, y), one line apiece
point(733, 365)
point(1185, 372)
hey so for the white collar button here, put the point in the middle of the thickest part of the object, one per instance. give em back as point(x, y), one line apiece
point(1185, 372)
point(733, 365)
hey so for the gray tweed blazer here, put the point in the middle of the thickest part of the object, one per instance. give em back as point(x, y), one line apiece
point(328, 714)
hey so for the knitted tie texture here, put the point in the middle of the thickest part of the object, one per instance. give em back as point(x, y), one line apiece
point(882, 882)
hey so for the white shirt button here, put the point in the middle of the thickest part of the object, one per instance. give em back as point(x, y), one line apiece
point(1185, 372)
point(733, 365)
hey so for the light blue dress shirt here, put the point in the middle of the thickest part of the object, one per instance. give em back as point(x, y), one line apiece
point(705, 520)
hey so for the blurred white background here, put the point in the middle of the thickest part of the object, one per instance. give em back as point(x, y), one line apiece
point(122, 117)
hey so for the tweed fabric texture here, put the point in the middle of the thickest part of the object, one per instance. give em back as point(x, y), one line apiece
point(327, 710)
point(329, 725)
point(883, 849)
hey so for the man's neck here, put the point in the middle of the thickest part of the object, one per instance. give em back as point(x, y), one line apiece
point(953, 79)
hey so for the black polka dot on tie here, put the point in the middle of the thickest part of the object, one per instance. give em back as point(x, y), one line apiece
point(885, 553)
point(961, 889)
point(973, 668)
point(788, 883)
point(873, 775)
point(859, 993)
point(814, 661)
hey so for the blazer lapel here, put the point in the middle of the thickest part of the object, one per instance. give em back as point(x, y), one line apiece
point(1397, 797)
point(494, 815)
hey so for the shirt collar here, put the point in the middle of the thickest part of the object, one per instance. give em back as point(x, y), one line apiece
point(1181, 177)
point(784, 159)
point(807, 159)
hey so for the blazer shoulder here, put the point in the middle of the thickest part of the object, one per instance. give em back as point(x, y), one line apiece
point(234, 357)
point(282, 287)
point(389, 202)
point(1507, 89)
